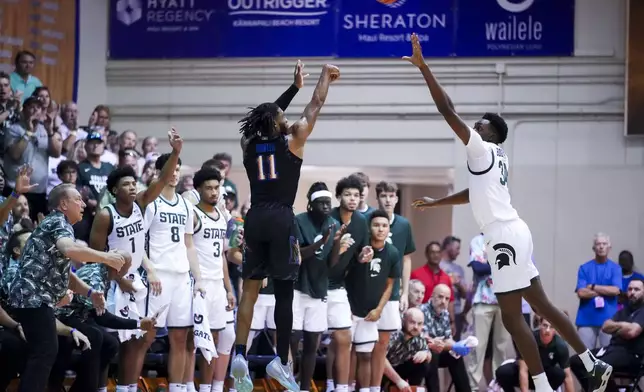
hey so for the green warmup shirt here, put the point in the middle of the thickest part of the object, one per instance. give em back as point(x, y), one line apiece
point(359, 230)
point(400, 236)
point(314, 271)
point(367, 281)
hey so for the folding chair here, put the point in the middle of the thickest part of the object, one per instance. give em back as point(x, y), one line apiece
point(632, 379)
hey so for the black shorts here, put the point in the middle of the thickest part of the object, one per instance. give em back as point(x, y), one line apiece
point(272, 249)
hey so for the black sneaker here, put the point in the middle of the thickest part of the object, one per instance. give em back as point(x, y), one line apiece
point(599, 376)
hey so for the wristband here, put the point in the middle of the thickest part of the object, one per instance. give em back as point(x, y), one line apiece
point(89, 293)
point(15, 194)
point(71, 333)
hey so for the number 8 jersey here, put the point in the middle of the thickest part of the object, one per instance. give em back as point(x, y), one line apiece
point(210, 239)
point(168, 223)
point(489, 195)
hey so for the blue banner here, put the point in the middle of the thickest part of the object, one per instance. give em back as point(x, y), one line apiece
point(515, 28)
point(382, 28)
point(157, 29)
point(288, 28)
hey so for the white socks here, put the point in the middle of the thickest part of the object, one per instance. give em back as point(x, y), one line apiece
point(217, 386)
point(330, 386)
point(541, 383)
point(205, 388)
point(341, 388)
point(364, 390)
point(174, 387)
point(102, 389)
point(123, 388)
point(374, 389)
point(190, 387)
point(588, 360)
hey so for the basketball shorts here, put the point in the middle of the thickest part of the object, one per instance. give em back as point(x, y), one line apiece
point(309, 314)
point(509, 253)
point(176, 293)
point(216, 302)
point(263, 313)
point(338, 310)
point(364, 334)
point(390, 320)
point(272, 248)
point(128, 305)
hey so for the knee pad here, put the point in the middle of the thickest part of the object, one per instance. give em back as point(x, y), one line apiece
point(226, 339)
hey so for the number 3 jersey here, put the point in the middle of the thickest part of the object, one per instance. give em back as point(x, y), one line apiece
point(168, 222)
point(127, 234)
point(210, 240)
point(489, 195)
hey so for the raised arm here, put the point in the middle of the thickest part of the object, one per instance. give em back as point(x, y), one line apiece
point(302, 128)
point(287, 96)
point(462, 197)
point(441, 99)
point(154, 190)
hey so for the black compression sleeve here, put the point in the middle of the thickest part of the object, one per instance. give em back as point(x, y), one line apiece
point(287, 96)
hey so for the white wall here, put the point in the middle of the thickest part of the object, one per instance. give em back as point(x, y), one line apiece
point(573, 173)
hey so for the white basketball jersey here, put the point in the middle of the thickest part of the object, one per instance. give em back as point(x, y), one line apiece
point(168, 222)
point(210, 239)
point(489, 194)
point(128, 234)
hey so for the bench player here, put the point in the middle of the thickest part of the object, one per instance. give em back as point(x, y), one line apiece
point(508, 238)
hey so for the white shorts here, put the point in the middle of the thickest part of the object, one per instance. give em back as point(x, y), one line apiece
point(338, 310)
point(216, 302)
point(138, 299)
point(176, 292)
point(263, 313)
point(509, 253)
point(309, 314)
point(390, 320)
point(364, 334)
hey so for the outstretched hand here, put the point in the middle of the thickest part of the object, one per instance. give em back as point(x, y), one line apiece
point(333, 71)
point(176, 142)
point(423, 203)
point(22, 182)
point(417, 52)
point(299, 74)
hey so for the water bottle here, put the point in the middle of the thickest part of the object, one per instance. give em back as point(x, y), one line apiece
point(234, 227)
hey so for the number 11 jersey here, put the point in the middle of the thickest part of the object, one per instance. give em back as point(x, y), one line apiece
point(168, 223)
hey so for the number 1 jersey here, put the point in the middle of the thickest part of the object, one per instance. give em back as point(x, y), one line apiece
point(127, 233)
point(168, 222)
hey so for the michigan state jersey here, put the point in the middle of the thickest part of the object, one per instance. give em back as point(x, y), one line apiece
point(127, 233)
point(489, 195)
point(209, 238)
point(401, 238)
point(313, 275)
point(359, 230)
point(168, 223)
point(366, 282)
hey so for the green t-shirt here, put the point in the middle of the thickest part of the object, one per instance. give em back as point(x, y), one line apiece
point(400, 236)
point(314, 271)
point(359, 230)
point(367, 281)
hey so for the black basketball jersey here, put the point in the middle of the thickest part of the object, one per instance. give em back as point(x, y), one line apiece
point(273, 172)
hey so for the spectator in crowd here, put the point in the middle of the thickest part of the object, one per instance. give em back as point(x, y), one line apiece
point(54, 160)
point(67, 171)
point(439, 333)
point(599, 282)
point(554, 354)
point(408, 355)
point(230, 200)
point(9, 108)
point(416, 293)
point(78, 153)
point(626, 347)
point(13, 250)
point(147, 175)
point(451, 250)
point(149, 146)
point(431, 275)
point(69, 129)
point(627, 263)
point(186, 184)
point(227, 162)
point(92, 178)
point(28, 142)
point(49, 116)
point(22, 79)
point(486, 316)
point(363, 207)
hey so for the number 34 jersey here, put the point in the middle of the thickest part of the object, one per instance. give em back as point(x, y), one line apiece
point(168, 222)
point(210, 242)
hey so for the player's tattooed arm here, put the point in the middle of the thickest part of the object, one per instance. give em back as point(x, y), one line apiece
point(462, 197)
point(298, 82)
point(441, 99)
point(302, 128)
point(156, 186)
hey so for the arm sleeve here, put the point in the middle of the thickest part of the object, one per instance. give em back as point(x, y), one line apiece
point(287, 96)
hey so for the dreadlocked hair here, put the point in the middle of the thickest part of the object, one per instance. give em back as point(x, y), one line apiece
point(259, 121)
point(316, 186)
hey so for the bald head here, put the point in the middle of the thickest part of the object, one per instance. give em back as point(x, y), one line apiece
point(413, 321)
point(413, 314)
point(440, 297)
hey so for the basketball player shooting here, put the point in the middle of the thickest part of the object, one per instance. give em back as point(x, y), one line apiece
point(508, 238)
point(273, 164)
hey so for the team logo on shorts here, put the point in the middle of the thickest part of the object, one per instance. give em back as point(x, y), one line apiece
point(125, 312)
point(504, 254)
point(132, 298)
point(198, 319)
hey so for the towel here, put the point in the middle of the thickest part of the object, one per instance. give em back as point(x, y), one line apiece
point(125, 306)
point(202, 335)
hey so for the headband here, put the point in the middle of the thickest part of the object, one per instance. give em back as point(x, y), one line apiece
point(318, 194)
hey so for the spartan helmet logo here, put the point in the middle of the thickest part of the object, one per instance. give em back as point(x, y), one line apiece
point(125, 311)
point(198, 319)
point(132, 297)
point(504, 254)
